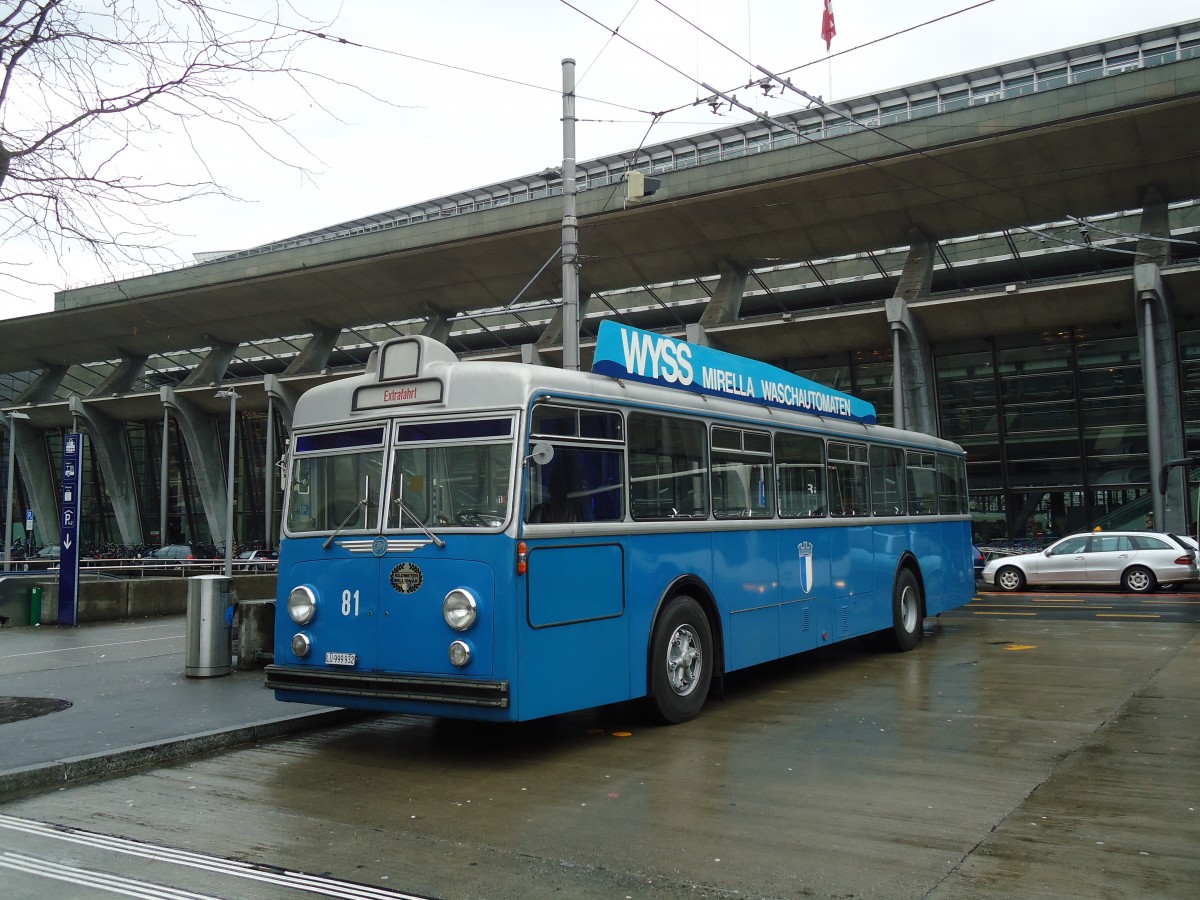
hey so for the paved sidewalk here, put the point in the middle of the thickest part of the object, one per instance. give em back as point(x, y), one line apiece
point(130, 703)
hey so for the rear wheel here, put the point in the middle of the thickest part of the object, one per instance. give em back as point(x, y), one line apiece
point(1010, 578)
point(1139, 580)
point(907, 615)
point(681, 661)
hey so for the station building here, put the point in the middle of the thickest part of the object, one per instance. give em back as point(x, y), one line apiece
point(1006, 257)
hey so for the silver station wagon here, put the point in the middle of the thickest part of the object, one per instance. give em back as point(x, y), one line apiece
point(1137, 561)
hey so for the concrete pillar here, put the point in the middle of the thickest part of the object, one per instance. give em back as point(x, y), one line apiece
point(314, 356)
point(283, 395)
point(44, 386)
point(552, 334)
point(213, 367)
point(121, 379)
point(1155, 223)
point(40, 482)
point(913, 383)
point(112, 451)
point(725, 305)
point(437, 326)
point(204, 451)
point(1160, 374)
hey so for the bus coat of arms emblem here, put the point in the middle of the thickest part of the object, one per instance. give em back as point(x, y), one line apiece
point(806, 565)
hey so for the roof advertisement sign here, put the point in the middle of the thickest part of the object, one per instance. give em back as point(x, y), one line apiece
point(636, 355)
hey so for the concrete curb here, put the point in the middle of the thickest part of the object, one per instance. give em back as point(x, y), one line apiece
point(29, 779)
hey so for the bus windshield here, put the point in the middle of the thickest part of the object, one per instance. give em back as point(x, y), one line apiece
point(453, 473)
point(335, 481)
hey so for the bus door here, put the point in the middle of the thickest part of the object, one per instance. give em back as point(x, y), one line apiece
point(805, 611)
point(574, 640)
point(745, 576)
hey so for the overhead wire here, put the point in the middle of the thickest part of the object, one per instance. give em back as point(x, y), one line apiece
point(786, 84)
point(657, 116)
point(332, 38)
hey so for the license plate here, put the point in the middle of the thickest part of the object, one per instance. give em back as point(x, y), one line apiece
point(341, 659)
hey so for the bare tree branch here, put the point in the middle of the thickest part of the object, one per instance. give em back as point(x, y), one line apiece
point(92, 90)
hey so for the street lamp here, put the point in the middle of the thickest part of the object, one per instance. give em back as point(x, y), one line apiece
point(233, 399)
point(13, 415)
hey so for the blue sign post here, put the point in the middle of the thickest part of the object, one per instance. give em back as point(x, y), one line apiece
point(630, 353)
point(68, 562)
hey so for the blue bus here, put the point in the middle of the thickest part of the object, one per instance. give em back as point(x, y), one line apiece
point(503, 542)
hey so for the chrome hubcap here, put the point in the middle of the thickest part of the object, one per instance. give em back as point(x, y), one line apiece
point(685, 659)
point(908, 610)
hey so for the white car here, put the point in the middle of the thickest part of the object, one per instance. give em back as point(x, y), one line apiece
point(1138, 561)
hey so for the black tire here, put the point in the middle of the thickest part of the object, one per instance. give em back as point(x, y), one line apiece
point(908, 608)
point(1010, 578)
point(681, 661)
point(1139, 580)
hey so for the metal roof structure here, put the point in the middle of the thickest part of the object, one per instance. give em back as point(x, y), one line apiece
point(1018, 157)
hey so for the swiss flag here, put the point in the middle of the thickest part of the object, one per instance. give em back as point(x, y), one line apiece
point(828, 28)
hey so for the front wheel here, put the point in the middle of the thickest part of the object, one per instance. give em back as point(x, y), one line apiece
point(681, 660)
point(1139, 580)
point(1010, 578)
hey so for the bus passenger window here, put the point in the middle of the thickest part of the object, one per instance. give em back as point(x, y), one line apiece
point(922, 484)
point(887, 481)
point(800, 461)
point(742, 485)
point(582, 482)
point(849, 479)
point(579, 484)
point(952, 484)
point(668, 467)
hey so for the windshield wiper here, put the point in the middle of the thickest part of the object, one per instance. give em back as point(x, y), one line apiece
point(429, 534)
point(345, 522)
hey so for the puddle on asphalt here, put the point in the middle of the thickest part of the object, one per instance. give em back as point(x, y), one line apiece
point(15, 709)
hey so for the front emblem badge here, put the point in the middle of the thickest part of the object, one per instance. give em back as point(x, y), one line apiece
point(379, 546)
point(407, 577)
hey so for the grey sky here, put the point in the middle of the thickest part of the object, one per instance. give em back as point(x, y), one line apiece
point(449, 130)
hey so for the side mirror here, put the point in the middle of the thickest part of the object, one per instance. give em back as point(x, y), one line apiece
point(542, 453)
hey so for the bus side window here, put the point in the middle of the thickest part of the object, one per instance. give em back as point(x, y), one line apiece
point(887, 481)
point(922, 484)
point(800, 462)
point(668, 467)
point(850, 483)
point(580, 484)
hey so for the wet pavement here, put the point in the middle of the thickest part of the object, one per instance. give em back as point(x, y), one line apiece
point(1009, 755)
point(100, 698)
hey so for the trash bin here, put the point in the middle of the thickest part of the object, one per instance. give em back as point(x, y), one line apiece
point(208, 651)
point(14, 601)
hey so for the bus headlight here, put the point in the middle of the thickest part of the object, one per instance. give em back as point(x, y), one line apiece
point(460, 609)
point(301, 645)
point(302, 604)
point(460, 653)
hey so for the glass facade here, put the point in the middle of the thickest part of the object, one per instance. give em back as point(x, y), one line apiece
point(1054, 424)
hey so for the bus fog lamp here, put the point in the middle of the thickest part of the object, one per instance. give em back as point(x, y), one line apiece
point(460, 609)
point(301, 645)
point(302, 604)
point(460, 653)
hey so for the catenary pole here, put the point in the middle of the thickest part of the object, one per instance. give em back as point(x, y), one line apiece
point(570, 225)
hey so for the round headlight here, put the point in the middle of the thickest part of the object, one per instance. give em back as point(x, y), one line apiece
point(460, 609)
point(460, 654)
point(302, 604)
point(301, 645)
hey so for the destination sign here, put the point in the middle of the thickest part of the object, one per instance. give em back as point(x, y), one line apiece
point(401, 393)
point(630, 353)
